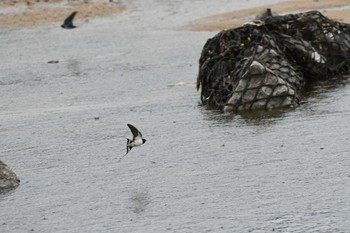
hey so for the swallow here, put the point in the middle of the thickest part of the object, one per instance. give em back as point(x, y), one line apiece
point(136, 141)
point(68, 22)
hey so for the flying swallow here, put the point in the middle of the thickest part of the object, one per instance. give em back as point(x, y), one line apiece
point(68, 22)
point(136, 141)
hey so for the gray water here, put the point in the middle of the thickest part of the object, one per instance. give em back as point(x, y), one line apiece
point(62, 128)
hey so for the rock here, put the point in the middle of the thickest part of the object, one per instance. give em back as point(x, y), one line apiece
point(264, 92)
point(266, 66)
point(280, 91)
point(8, 178)
point(249, 96)
point(256, 68)
point(260, 104)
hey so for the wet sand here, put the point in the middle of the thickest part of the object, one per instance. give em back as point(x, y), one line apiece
point(337, 9)
point(24, 13)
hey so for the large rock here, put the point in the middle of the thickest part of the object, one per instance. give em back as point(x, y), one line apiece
point(8, 178)
point(265, 65)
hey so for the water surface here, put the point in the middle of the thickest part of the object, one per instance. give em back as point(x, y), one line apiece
point(62, 128)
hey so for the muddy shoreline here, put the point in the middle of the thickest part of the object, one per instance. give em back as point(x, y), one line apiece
point(30, 13)
point(337, 10)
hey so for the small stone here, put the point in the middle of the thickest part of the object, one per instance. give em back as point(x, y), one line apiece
point(274, 66)
point(247, 106)
point(228, 108)
point(273, 103)
point(271, 80)
point(264, 92)
point(288, 102)
point(249, 96)
point(293, 79)
point(281, 81)
point(291, 91)
point(259, 105)
point(284, 70)
point(284, 63)
point(259, 49)
point(256, 68)
point(241, 85)
point(255, 82)
point(273, 52)
point(280, 91)
point(235, 98)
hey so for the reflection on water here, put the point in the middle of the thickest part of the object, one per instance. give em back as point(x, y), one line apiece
point(318, 89)
point(74, 67)
point(313, 94)
point(139, 201)
point(5, 192)
point(244, 118)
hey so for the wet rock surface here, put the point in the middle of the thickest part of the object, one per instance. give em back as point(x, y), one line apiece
point(8, 178)
point(265, 65)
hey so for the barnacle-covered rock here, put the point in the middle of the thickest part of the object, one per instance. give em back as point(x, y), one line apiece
point(265, 65)
point(8, 178)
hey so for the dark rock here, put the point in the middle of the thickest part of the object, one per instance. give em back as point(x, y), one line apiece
point(265, 65)
point(8, 178)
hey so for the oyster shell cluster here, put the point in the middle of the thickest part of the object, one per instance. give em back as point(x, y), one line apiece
point(8, 178)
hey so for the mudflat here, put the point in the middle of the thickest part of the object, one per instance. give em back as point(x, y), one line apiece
point(336, 9)
point(24, 13)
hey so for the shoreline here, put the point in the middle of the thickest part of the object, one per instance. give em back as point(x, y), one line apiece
point(333, 9)
point(31, 13)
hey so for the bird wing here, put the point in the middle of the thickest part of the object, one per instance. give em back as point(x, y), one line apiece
point(70, 18)
point(135, 132)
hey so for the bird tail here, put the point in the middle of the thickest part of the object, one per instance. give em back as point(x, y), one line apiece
point(128, 148)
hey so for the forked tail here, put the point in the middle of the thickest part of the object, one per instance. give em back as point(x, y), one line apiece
point(128, 148)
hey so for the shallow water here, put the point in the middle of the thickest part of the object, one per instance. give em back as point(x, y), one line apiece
point(62, 128)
